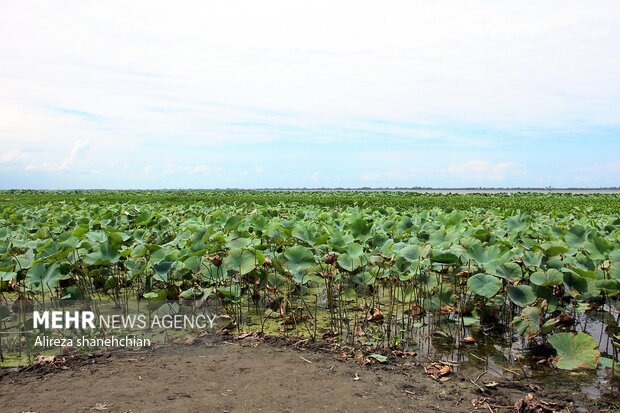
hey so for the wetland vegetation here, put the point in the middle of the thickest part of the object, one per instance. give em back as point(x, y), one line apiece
point(520, 282)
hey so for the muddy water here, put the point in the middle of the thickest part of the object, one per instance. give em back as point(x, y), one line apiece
point(501, 353)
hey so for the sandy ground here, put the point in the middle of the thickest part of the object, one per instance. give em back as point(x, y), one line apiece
point(240, 376)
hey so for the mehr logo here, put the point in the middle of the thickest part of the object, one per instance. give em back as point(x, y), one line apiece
point(56, 320)
point(64, 319)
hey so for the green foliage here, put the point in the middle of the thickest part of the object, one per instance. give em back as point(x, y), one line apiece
point(485, 285)
point(575, 351)
point(521, 255)
point(521, 295)
point(528, 323)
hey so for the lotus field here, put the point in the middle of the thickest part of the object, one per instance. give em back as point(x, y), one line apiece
point(518, 272)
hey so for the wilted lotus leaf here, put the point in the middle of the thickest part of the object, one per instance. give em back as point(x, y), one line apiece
point(438, 371)
point(380, 358)
point(375, 314)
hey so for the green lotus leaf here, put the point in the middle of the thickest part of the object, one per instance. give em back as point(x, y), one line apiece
point(139, 251)
point(547, 278)
point(532, 258)
point(363, 278)
point(193, 293)
point(614, 270)
point(105, 256)
point(350, 263)
point(25, 260)
point(304, 234)
point(528, 323)
point(349, 294)
point(485, 285)
point(516, 223)
point(73, 292)
point(7, 275)
point(411, 252)
point(614, 256)
point(586, 273)
point(80, 231)
point(97, 237)
point(549, 325)
point(606, 363)
point(577, 235)
point(5, 311)
point(299, 258)
point(239, 243)
point(575, 284)
point(144, 218)
point(192, 263)
point(43, 278)
point(259, 222)
point(53, 252)
point(470, 321)
point(446, 258)
point(575, 351)
point(241, 260)
point(611, 286)
point(381, 240)
point(135, 267)
point(509, 271)
point(116, 238)
point(162, 269)
point(340, 240)
point(360, 228)
point(521, 295)
point(482, 235)
point(597, 247)
point(405, 294)
point(485, 256)
point(232, 292)
point(555, 250)
point(404, 225)
point(355, 250)
point(5, 247)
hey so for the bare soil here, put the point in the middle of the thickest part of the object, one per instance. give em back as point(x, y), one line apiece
point(259, 375)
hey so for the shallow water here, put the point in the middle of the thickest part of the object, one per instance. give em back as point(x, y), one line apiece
point(499, 352)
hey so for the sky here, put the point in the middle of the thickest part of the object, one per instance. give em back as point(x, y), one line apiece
point(268, 94)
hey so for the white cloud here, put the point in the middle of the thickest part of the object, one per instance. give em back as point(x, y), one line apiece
point(385, 176)
point(315, 177)
point(483, 170)
point(200, 169)
point(77, 149)
point(604, 167)
point(12, 156)
point(204, 170)
point(475, 60)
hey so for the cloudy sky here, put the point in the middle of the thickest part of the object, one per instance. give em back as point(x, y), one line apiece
point(250, 94)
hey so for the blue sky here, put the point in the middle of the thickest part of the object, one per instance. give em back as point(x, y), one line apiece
point(196, 94)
